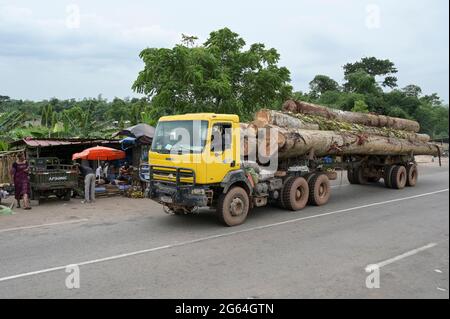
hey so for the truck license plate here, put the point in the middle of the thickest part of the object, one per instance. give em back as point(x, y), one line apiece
point(166, 199)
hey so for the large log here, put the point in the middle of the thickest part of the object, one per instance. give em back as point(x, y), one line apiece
point(298, 142)
point(248, 139)
point(301, 142)
point(367, 119)
point(289, 120)
point(265, 117)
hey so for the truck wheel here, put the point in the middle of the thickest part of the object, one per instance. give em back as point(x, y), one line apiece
point(351, 176)
point(319, 190)
point(412, 173)
point(279, 201)
point(387, 175)
point(399, 177)
point(232, 207)
point(295, 196)
point(359, 176)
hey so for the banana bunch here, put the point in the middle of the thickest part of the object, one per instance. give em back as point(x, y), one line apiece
point(135, 192)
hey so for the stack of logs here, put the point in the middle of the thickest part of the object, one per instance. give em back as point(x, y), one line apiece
point(303, 128)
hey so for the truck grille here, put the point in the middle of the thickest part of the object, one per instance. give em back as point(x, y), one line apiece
point(176, 175)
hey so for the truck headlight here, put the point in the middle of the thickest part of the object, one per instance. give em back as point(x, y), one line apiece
point(198, 191)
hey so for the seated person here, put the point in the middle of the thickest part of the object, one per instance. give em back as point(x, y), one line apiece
point(125, 172)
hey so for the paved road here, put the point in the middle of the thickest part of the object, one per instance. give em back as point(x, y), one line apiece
point(320, 252)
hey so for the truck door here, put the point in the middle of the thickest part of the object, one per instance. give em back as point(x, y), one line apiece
point(221, 152)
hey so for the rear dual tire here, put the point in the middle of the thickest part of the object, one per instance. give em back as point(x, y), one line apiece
point(399, 176)
point(295, 193)
point(356, 176)
point(412, 174)
point(314, 189)
point(319, 189)
point(351, 176)
point(387, 175)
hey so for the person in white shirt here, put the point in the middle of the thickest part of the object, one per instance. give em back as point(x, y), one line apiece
point(105, 170)
point(98, 172)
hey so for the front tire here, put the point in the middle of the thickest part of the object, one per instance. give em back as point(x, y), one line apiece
point(233, 207)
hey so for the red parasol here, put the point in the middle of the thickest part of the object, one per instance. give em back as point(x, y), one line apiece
point(99, 153)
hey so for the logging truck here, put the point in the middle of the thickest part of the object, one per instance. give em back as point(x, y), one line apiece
point(207, 169)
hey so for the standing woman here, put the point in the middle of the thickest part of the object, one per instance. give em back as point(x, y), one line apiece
point(19, 175)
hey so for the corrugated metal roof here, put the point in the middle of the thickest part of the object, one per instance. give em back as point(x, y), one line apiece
point(35, 142)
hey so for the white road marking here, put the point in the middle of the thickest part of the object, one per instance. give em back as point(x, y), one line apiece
point(43, 225)
point(139, 252)
point(404, 255)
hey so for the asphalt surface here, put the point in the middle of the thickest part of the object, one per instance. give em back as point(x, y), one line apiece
point(319, 252)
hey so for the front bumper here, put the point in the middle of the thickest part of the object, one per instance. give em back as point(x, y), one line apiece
point(181, 196)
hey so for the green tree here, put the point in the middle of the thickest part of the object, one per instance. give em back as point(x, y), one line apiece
point(374, 67)
point(118, 109)
point(361, 82)
point(218, 76)
point(321, 84)
point(412, 90)
point(49, 118)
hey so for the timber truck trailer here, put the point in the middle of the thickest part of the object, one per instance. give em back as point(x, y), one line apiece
point(186, 175)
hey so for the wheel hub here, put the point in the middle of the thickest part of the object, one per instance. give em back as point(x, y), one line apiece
point(321, 190)
point(298, 194)
point(237, 207)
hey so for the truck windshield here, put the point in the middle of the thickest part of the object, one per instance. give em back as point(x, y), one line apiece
point(180, 137)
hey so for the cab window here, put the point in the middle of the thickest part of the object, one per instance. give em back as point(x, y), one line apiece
point(221, 137)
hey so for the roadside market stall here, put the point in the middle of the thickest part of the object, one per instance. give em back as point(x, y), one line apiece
point(101, 155)
point(137, 142)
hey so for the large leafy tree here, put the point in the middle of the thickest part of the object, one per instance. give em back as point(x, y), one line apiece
point(218, 76)
point(363, 93)
point(376, 68)
point(361, 82)
point(412, 90)
point(321, 84)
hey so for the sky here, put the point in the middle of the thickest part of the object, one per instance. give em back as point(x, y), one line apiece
point(77, 49)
